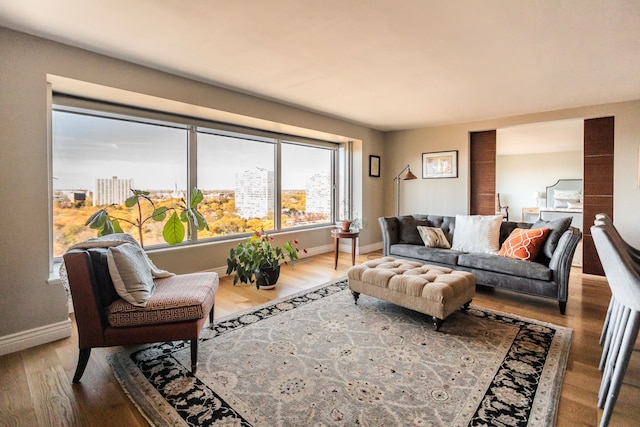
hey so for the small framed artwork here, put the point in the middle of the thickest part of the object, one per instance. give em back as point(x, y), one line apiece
point(374, 166)
point(440, 164)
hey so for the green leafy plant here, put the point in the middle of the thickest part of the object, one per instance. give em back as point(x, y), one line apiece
point(173, 231)
point(256, 253)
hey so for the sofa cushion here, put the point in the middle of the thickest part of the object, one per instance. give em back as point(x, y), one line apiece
point(433, 237)
point(514, 267)
point(408, 232)
point(477, 233)
point(556, 227)
point(524, 244)
point(438, 255)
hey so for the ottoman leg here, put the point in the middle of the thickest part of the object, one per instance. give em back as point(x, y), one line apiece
point(356, 295)
point(465, 307)
point(437, 323)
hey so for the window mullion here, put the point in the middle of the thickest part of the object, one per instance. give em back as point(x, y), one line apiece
point(277, 212)
point(192, 172)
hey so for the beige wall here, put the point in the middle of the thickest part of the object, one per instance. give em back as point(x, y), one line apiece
point(450, 196)
point(28, 301)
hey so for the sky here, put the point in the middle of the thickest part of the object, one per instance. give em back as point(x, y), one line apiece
point(87, 147)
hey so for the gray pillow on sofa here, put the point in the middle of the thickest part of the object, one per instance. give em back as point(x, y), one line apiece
point(556, 227)
point(409, 230)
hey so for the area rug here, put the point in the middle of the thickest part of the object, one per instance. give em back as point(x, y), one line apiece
point(318, 359)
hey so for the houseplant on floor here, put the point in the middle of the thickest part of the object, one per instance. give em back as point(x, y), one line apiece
point(258, 260)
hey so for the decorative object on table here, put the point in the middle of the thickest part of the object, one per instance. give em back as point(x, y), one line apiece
point(404, 175)
point(540, 199)
point(345, 225)
point(351, 224)
point(173, 231)
point(374, 166)
point(258, 260)
point(314, 357)
point(440, 164)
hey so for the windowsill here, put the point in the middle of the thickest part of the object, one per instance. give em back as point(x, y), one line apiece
point(54, 275)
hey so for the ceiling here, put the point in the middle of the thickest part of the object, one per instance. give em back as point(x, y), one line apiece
point(385, 64)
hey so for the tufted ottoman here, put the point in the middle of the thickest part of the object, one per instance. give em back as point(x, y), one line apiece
point(429, 289)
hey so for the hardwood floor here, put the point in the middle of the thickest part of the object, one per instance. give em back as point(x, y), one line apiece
point(36, 389)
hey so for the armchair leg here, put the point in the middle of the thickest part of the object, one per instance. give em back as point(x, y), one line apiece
point(194, 355)
point(211, 317)
point(83, 358)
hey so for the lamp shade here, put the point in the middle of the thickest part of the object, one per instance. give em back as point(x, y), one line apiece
point(407, 175)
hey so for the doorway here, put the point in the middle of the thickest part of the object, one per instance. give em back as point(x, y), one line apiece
point(597, 159)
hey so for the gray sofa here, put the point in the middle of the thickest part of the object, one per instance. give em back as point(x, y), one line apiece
point(547, 276)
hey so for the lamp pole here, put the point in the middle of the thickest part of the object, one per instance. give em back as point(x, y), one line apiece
point(404, 175)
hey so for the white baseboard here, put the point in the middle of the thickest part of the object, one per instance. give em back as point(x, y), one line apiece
point(34, 337)
point(370, 248)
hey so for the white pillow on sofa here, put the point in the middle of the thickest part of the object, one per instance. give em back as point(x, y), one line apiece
point(130, 273)
point(477, 233)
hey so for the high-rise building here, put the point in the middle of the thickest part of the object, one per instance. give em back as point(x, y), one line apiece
point(254, 193)
point(318, 194)
point(112, 191)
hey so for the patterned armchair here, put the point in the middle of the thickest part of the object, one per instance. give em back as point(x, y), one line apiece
point(177, 309)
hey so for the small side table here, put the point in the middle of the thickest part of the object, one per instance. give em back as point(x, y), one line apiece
point(529, 211)
point(339, 234)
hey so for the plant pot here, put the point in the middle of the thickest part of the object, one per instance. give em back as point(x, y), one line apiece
point(345, 225)
point(267, 277)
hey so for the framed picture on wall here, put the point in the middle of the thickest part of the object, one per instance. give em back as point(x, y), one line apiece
point(374, 166)
point(440, 164)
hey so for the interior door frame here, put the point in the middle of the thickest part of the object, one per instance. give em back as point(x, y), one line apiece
point(597, 176)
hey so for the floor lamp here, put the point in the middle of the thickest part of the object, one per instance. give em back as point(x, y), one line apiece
point(404, 175)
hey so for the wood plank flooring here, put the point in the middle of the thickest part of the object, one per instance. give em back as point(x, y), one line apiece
point(36, 389)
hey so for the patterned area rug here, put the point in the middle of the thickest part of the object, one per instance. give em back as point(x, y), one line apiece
point(317, 359)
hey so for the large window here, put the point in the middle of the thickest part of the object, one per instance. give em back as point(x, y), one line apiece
point(97, 160)
point(306, 190)
point(236, 176)
point(250, 180)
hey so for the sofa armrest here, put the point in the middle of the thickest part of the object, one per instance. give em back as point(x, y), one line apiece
point(561, 261)
point(390, 227)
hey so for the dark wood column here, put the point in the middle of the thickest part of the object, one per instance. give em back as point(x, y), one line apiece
point(598, 184)
point(482, 172)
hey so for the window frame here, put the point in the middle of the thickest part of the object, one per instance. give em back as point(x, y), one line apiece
point(341, 155)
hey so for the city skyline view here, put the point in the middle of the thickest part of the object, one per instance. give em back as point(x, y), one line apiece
point(87, 148)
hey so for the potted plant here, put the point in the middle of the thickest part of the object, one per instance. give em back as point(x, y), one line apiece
point(257, 260)
point(350, 224)
point(173, 231)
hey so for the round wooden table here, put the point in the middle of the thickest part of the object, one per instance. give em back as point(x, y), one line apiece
point(339, 234)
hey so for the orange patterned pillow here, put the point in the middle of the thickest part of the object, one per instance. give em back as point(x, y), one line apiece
point(524, 243)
